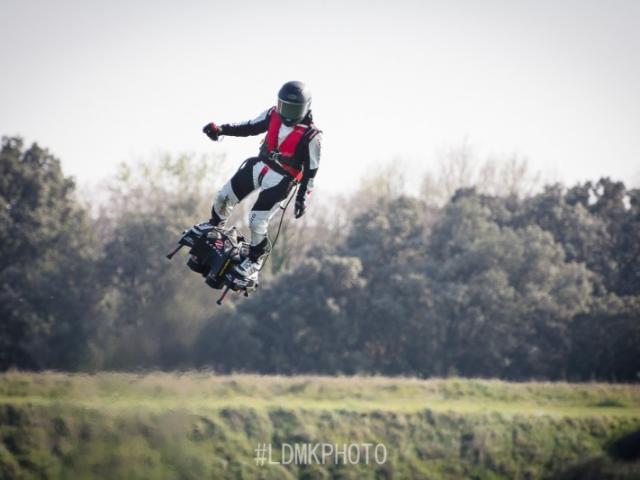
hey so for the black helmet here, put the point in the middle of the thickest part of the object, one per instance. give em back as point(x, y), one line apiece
point(294, 100)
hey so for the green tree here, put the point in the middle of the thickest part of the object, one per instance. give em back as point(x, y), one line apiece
point(304, 321)
point(504, 296)
point(606, 341)
point(389, 240)
point(153, 309)
point(596, 223)
point(46, 268)
point(388, 236)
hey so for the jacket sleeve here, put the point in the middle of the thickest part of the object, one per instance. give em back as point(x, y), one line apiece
point(310, 165)
point(258, 125)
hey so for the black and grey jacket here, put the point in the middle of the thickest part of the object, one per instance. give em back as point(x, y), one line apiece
point(307, 152)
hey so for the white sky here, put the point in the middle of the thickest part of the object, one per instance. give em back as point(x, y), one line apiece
point(104, 82)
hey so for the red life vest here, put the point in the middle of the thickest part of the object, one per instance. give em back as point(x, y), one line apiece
point(287, 148)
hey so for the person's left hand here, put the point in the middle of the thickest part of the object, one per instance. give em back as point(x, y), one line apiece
point(300, 207)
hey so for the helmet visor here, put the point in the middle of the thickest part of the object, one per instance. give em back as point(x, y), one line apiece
point(291, 110)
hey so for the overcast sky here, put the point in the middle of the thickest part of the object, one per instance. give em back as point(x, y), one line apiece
point(104, 82)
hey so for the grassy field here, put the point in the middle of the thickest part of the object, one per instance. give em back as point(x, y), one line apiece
point(201, 426)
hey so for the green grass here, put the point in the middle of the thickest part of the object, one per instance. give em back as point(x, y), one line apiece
point(198, 425)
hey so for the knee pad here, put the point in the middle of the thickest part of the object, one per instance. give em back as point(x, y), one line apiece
point(224, 202)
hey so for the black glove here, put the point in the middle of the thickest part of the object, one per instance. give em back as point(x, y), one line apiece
point(300, 207)
point(212, 131)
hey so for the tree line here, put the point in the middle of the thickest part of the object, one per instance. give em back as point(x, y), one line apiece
point(473, 281)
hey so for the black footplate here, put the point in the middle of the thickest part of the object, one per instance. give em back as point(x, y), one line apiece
point(213, 253)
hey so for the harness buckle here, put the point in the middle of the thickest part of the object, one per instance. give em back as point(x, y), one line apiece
point(276, 156)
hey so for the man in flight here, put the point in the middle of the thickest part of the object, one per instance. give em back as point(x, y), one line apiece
point(289, 153)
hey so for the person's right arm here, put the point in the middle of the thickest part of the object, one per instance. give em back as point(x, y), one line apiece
point(258, 125)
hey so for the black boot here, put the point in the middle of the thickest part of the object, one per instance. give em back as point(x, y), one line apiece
point(215, 219)
point(256, 251)
point(253, 263)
